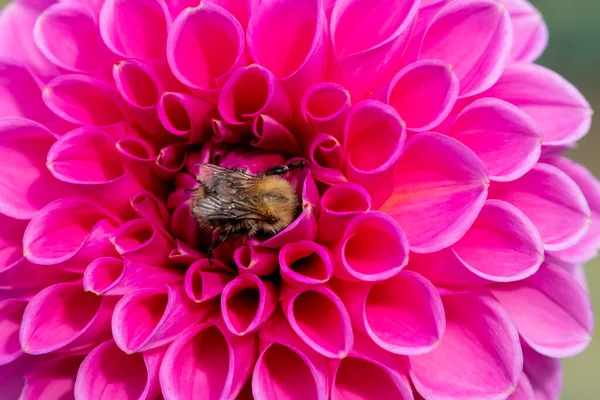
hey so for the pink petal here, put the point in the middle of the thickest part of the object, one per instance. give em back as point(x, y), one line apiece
point(64, 316)
point(204, 45)
point(170, 161)
point(240, 9)
point(52, 379)
point(247, 303)
point(507, 141)
point(203, 284)
point(11, 314)
point(186, 116)
point(474, 37)
point(288, 38)
point(139, 240)
point(373, 248)
point(444, 268)
point(68, 229)
point(109, 276)
point(149, 207)
point(424, 93)
point(271, 135)
point(524, 391)
point(329, 331)
point(225, 133)
point(544, 374)
point(479, 356)
point(80, 48)
point(184, 254)
point(374, 137)
point(530, 33)
point(543, 191)
point(437, 198)
point(305, 263)
point(24, 274)
point(185, 227)
point(11, 234)
point(339, 205)
point(403, 315)
point(135, 28)
point(108, 373)
point(149, 318)
point(255, 260)
point(12, 376)
point(207, 362)
point(326, 151)
point(139, 158)
point(325, 107)
point(502, 245)
point(27, 184)
point(368, 41)
point(560, 110)
point(555, 323)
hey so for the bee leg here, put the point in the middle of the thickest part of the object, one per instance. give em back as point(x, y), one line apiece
point(284, 169)
point(221, 237)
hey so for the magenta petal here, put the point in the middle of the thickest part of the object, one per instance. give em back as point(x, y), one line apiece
point(437, 198)
point(135, 28)
point(185, 227)
point(52, 379)
point(185, 255)
point(139, 240)
point(554, 323)
point(255, 260)
point(543, 191)
point(186, 116)
point(139, 158)
point(24, 274)
point(207, 363)
point(64, 315)
point(204, 283)
point(149, 318)
point(507, 140)
point(473, 36)
point(325, 106)
point(530, 33)
point(544, 374)
point(369, 40)
point(479, 356)
point(523, 391)
point(444, 268)
point(502, 245)
point(11, 243)
point(11, 314)
point(109, 276)
point(424, 93)
point(108, 373)
point(151, 208)
point(247, 303)
point(560, 110)
point(269, 134)
point(66, 229)
point(204, 45)
point(305, 263)
point(328, 331)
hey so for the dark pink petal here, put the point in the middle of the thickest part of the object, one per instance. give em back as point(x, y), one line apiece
point(271, 135)
point(170, 160)
point(586, 248)
point(109, 276)
point(555, 323)
point(502, 245)
point(373, 248)
point(185, 227)
point(207, 362)
point(544, 191)
point(530, 33)
point(204, 45)
point(139, 158)
point(108, 373)
point(12, 376)
point(27, 184)
point(255, 260)
point(225, 133)
point(65, 316)
point(374, 137)
point(305, 263)
point(423, 93)
point(184, 254)
point(186, 116)
point(149, 318)
point(251, 91)
point(68, 229)
point(444, 268)
point(437, 198)
point(326, 151)
point(52, 379)
point(24, 274)
point(328, 331)
point(325, 106)
point(288, 38)
point(403, 315)
point(544, 374)
point(370, 373)
point(135, 28)
point(479, 356)
point(240, 9)
point(473, 36)
point(80, 48)
point(507, 140)
point(369, 40)
point(139, 240)
point(560, 110)
point(524, 391)
point(339, 205)
point(149, 207)
point(247, 303)
point(11, 314)
point(203, 284)
point(11, 241)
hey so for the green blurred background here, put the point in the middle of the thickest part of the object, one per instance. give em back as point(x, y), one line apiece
point(574, 52)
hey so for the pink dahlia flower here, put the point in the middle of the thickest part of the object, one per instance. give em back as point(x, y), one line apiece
point(438, 252)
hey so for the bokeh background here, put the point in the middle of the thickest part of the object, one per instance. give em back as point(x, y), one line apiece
point(574, 52)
